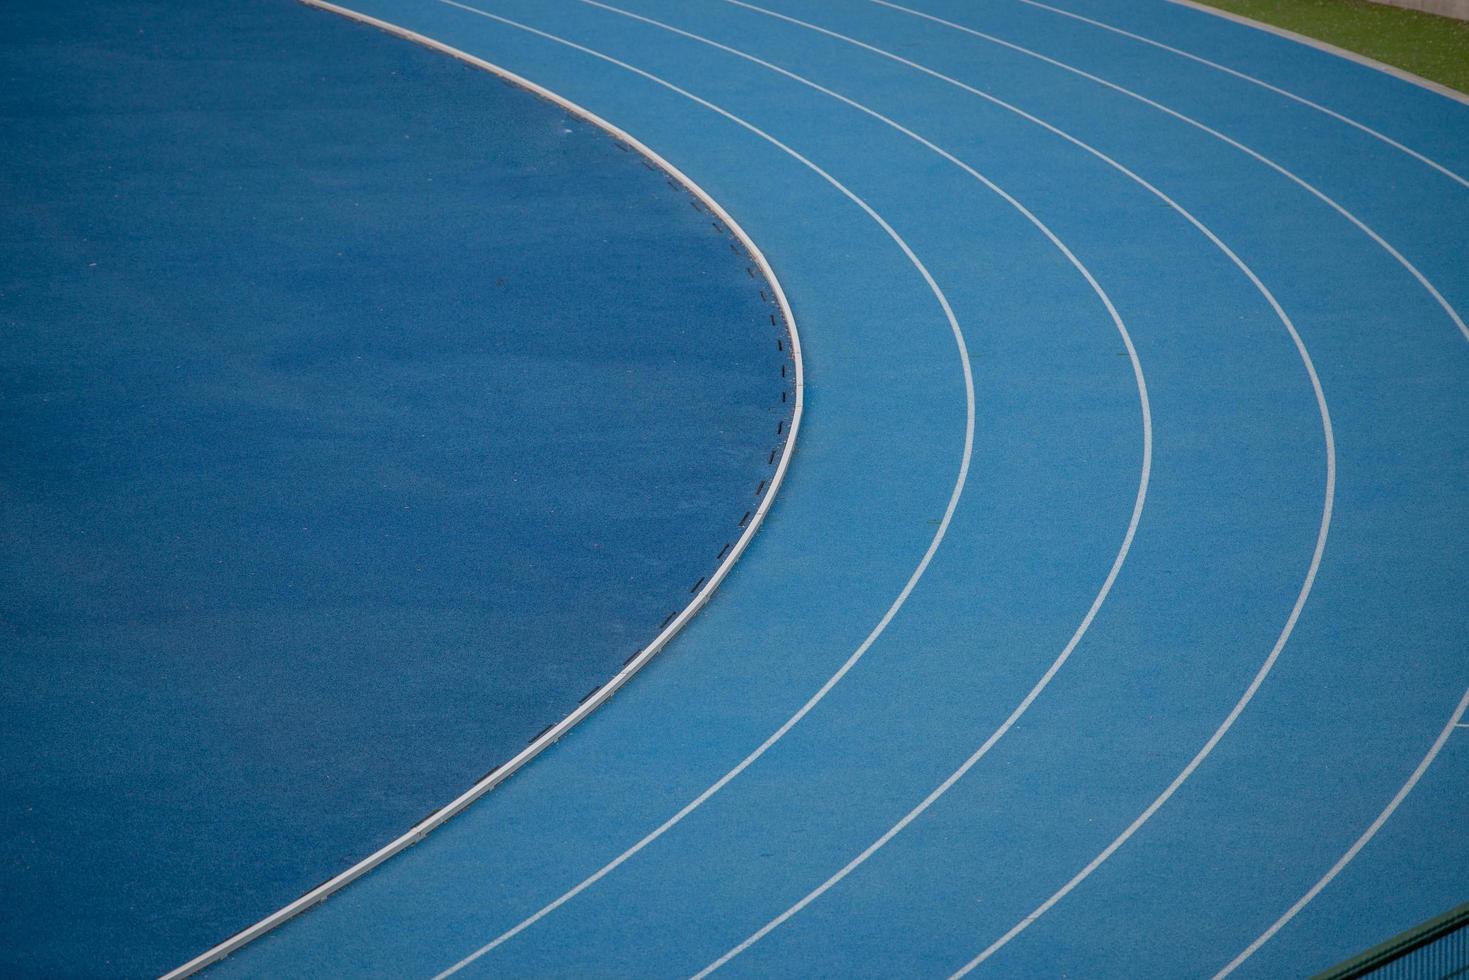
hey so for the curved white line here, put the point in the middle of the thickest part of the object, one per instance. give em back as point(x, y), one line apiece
point(1361, 842)
point(1329, 496)
point(1255, 81)
point(912, 582)
point(1189, 120)
point(1400, 74)
point(550, 736)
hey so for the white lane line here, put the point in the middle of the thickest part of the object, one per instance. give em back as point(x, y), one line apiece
point(1189, 120)
point(551, 735)
point(938, 537)
point(1255, 81)
point(1329, 496)
point(1361, 842)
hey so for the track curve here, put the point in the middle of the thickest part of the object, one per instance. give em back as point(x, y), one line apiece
point(1245, 453)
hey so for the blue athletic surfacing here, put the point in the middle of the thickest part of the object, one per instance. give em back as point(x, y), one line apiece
point(1361, 690)
point(361, 412)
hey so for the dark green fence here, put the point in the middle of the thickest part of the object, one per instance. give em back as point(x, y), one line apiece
point(1436, 950)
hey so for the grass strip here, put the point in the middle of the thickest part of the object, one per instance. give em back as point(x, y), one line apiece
point(1437, 48)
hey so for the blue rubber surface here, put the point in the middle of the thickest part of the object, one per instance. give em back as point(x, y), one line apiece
point(359, 412)
point(643, 845)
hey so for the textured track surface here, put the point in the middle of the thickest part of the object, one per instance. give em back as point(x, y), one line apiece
point(1114, 607)
point(359, 412)
point(1198, 616)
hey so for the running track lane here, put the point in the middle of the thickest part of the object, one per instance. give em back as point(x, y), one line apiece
point(1358, 694)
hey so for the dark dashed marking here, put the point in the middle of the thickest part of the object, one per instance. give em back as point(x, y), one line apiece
point(780, 429)
point(735, 246)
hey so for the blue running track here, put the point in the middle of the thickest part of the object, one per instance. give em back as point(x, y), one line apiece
point(1198, 616)
point(1111, 621)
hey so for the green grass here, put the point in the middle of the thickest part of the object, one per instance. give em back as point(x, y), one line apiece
point(1436, 48)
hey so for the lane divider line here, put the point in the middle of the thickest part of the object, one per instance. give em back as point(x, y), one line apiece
point(1360, 843)
point(671, 627)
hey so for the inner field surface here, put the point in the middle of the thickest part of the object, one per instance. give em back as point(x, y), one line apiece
point(361, 413)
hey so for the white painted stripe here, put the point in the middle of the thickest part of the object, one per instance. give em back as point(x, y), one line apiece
point(1189, 120)
point(913, 579)
point(500, 774)
point(1256, 81)
point(1311, 42)
point(1327, 504)
point(1361, 842)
